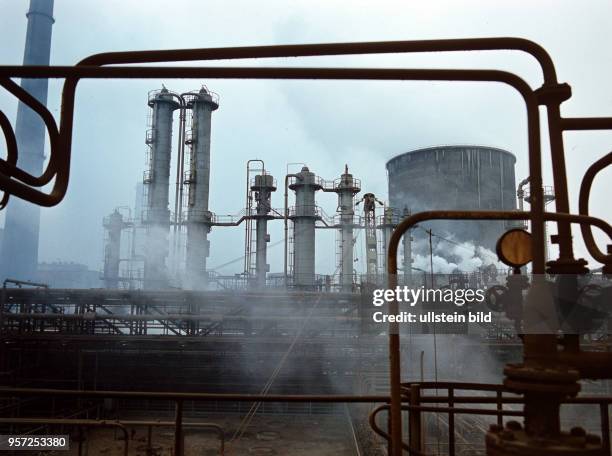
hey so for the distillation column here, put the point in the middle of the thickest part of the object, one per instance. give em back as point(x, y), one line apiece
point(263, 186)
point(346, 188)
point(114, 225)
point(197, 179)
point(156, 181)
point(21, 229)
point(304, 217)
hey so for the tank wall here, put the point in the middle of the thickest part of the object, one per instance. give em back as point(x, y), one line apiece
point(455, 178)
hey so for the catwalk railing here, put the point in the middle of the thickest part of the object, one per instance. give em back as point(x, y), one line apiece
point(446, 399)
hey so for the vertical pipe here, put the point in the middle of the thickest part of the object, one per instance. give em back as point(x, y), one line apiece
point(22, 223)
point(407, 242)
point(261, 265)
point(451, 423)
point(500, 407)
point(178, 197)
point(387, 229)
point(566, 253)
point(286, 222)
point(414, 421)
point(431, 269)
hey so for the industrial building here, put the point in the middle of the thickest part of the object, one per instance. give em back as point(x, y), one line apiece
point(163, 355)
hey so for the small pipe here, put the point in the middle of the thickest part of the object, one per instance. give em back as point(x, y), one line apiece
point(520, 193)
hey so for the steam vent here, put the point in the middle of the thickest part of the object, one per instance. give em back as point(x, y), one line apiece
point(459, 177)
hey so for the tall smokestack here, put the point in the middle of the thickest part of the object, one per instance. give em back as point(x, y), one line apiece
point(21, 228)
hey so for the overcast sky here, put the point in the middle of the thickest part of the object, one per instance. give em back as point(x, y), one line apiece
point(325, 124)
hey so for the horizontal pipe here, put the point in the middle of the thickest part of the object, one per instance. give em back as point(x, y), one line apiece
point(327, 49)
point(162, 317)
point(593, 365)
point(119, 72)
point(223, 397)
point(586, 123)
point(60, 156)
point(332, 398)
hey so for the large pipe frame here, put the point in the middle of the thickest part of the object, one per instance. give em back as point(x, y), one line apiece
point(15, 181)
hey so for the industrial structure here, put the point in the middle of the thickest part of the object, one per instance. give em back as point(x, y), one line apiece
point(260, 193)
point(114, 225)
point(299, 366)
point(197, 179)
point(473, 178)
point(22, 225)
point(347, 187)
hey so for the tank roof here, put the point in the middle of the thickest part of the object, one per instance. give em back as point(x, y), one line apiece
point(450, 147)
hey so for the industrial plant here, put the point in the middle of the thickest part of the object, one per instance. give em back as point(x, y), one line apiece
point(158, 353)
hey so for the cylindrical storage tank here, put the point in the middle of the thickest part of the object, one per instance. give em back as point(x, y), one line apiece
point(304, 219)
point(461, 177)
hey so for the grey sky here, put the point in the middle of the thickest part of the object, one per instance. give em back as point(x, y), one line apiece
point(325, 124)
